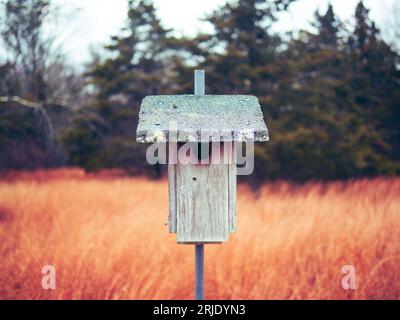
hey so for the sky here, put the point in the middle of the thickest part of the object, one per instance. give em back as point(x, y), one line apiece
point(90, 23)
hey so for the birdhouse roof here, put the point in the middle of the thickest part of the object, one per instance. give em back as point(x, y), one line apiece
point(216, 118)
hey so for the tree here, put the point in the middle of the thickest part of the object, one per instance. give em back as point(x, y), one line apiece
point(328, 27)
point(29, 50)
point(365, 32)
point(36, 86)
point(375, 86)
point(330, 97)
point(322, 127)
point(138, 66)
point(240, 54)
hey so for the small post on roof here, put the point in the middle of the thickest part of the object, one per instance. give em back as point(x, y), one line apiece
point(202, 194)
point(199, 82)
point(199, 90)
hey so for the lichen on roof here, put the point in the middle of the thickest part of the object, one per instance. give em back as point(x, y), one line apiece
point(206, 118)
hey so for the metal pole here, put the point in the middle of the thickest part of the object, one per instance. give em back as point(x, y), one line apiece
point(199, 272)
point(199, 90)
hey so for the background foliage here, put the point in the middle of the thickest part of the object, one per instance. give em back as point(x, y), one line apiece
point(330, 97)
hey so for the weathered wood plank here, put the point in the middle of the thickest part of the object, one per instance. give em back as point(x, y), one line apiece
point(202, 203)
point(172, 197)
point(232, 182)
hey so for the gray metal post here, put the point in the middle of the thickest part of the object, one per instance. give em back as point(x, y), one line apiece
point(199, 90)
point(199, 272)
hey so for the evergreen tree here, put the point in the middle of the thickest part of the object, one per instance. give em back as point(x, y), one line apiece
point(321, 128)
point(242, 29)
point(137, 67)
point(330, 98)
point(365, 32)
point(375, 86)
point(328, 27)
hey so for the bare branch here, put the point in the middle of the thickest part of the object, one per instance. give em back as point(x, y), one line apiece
point(33, 105)
point(21, 101)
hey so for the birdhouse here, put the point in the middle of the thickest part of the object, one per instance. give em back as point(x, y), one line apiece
point(203, 133)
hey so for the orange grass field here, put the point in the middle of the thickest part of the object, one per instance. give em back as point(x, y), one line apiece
point(107, 238)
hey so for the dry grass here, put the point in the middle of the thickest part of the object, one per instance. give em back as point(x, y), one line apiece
point(107, 239)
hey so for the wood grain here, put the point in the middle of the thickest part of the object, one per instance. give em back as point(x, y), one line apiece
point(232, 182)
point(202, 203)
point(172, 198)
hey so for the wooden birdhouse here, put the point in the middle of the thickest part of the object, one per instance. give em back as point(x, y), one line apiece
point(202, 133)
